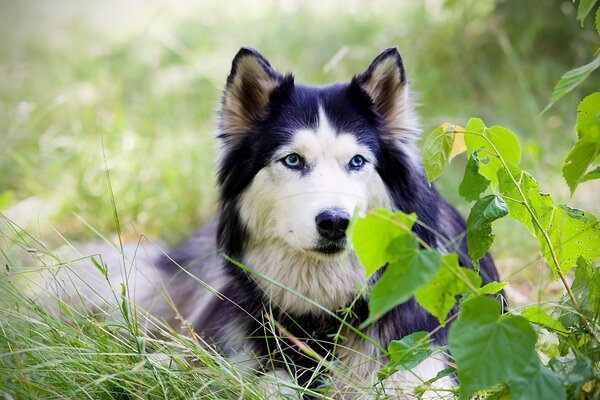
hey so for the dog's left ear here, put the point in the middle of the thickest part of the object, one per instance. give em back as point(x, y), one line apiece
point(385, 84)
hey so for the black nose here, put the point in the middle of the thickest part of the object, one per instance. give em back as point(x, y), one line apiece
point(332, 224)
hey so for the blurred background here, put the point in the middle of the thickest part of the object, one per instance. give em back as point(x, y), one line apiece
point(130, 87)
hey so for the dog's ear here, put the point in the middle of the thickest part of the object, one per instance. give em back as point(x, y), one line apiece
point(385, 84)
point(250, 84)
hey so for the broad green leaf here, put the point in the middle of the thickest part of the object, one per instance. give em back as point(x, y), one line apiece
point(594, 293)
point(542, 384)
point(570, 80)
point(586, 286)
point(588, 118)
point(489, 350)
point(586, 289)
point(373, 233)
point(492, 143)
point(578, 161)
point(541, 204)
point(587, 148)
point(437, 149)
point(573, 233)
point(473, 184)
point(585, 6)
point(401, 247)
point(479, 225)
point(438, 296)
point(406, 353)
point(536, 315)
point(575, 372)
point(475, 125)
point(400, 280)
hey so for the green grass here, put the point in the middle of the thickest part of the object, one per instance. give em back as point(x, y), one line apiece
point(88, 88)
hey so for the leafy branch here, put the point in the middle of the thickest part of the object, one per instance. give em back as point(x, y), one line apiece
point(524, 202)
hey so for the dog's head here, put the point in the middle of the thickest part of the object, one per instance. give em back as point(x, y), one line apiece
point(297, 161)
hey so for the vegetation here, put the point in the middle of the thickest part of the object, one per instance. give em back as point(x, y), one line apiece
point(106, 125)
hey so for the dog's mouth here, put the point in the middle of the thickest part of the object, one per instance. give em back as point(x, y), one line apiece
point(331, 247)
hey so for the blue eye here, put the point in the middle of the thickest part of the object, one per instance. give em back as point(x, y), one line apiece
point(357, 162)
point(293, 161)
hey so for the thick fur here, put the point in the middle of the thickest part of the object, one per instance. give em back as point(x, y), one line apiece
point(267, 212)
point(266, 221)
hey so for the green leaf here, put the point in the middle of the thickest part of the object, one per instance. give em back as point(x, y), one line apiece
point(593, 174)
point(448, 371)
point(542, 384)
point(573, 233)
point(578, 161)
point(408, 352)
point(588, 118)
point(373, 233)
point(490, 288)
point(536, 315)
point(492, 143)
point(570, 80)
point(479, 225)
point(586, 289)
point(436, 151)
point(101, 267)
point(401, 247)
point(541, 204)
point(475, 125)
point(472, 184)
point(124, 302)
point(587, 148)
point(438, 296)
point(489, 350)
point(574, 371)
point(585, 6)
point(400, 280)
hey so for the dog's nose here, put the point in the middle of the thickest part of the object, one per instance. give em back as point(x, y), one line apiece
point(332, 224)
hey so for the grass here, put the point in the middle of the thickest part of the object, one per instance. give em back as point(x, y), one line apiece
point(131, 89)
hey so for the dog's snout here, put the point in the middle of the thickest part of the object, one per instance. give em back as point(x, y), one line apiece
point(332, 224)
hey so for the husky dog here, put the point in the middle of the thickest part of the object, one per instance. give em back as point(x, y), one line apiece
point(295, 162)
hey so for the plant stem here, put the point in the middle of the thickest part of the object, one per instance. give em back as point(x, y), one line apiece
point(542, 230)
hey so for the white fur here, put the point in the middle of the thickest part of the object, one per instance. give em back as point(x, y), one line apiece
point(280, 206)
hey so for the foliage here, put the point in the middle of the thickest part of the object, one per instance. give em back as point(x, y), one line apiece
point(490, 349)
point(148, 98)
point(497, 353)
point(587, 149)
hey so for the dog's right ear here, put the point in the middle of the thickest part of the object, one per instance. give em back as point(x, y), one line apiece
point(250, 84)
